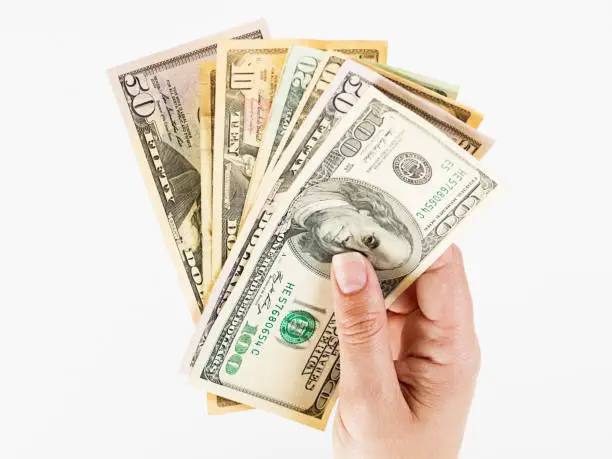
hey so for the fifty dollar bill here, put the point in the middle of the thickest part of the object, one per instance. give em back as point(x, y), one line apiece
point(157, 96)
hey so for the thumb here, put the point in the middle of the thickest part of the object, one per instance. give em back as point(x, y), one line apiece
point(366, 362)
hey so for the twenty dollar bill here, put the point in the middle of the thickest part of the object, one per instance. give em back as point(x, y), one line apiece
point(297, 81)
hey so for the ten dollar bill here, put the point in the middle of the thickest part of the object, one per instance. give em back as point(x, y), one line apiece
point(247, 77)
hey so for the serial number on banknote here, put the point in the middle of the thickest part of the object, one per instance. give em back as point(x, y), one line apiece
point(273, 317)
point(443, 191)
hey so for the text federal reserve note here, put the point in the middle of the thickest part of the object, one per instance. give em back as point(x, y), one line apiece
point(352, 80)
point(158, 99)
point(385, 183)
point(248, 74)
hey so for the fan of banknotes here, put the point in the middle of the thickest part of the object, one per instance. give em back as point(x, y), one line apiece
point(264, 158)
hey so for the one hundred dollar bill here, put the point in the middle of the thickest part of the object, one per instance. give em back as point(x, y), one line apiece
point(157, 96)
point(248, 74)
point(351, 80)
point(449, 90)
point(385, 183)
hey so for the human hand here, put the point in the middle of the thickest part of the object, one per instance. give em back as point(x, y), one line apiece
point(408, 373)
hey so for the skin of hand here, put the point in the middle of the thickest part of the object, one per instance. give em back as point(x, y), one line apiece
point(408, 371)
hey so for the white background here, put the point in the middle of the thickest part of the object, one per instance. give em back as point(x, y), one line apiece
point(93, 323)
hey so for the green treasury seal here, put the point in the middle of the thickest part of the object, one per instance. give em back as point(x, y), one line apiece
point(298, 327)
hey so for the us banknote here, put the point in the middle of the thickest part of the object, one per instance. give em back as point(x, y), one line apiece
point(207, 118)
point(157, 96)
point(449, 90)
point(386, 183)
point(351, 80)
point(248, 74)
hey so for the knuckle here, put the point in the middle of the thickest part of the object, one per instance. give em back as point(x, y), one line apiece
point(440, 336)
point(452, 347)
point(361, 328)
point(466, 361)
point(444, 335)
point(457, 253)
point(471, 358)
point(433, 380)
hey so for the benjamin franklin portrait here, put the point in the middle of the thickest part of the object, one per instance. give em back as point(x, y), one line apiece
point(345, 215)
